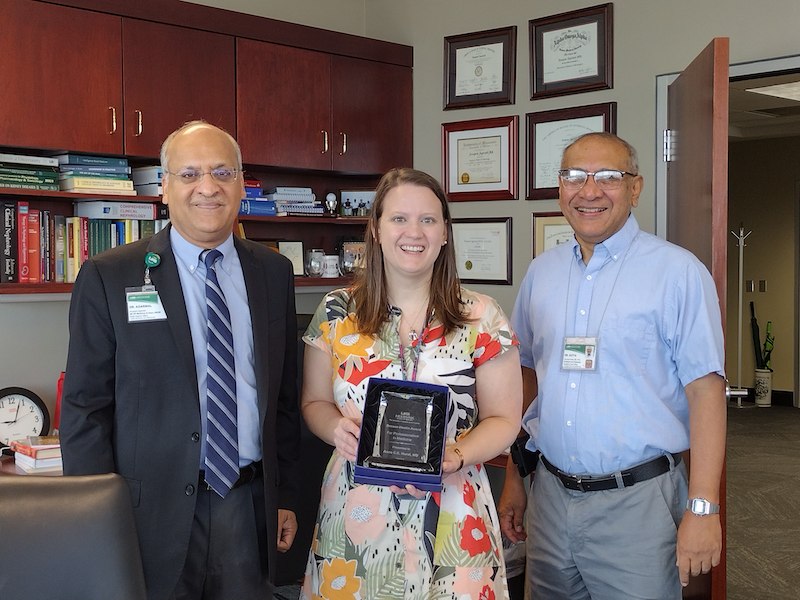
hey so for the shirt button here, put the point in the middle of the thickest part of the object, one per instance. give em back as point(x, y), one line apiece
point(589, 277)
point(572, 458)
point(572, 385)
point(583, 312)
point(569, 423)
point(189, 490)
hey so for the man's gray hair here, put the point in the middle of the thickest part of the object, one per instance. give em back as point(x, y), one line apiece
point(184, 127)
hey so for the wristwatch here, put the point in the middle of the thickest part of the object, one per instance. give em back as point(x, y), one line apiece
point(702, 507)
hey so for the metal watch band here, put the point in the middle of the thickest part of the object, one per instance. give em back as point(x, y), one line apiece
point(702, 507)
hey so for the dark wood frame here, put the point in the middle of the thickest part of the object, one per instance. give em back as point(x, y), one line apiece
point(604, 80)
point(453, 43)
point(607, 110)
point(482, 220)
point(502, 192)
point(538, 219)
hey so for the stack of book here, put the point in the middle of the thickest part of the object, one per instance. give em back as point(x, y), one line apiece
point(37, 454)
point(295, 201)
point(147, 180)
point(86, 174)
point(23, 172)
point(252, 188)
point(39, 246)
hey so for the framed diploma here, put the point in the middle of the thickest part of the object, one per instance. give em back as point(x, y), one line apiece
point(480, 68)
point(483, 250)
point(572, 52)
point(549, 230)
point(548, 133)
point(479, 159)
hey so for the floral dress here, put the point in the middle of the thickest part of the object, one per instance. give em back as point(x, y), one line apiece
point(370, 544)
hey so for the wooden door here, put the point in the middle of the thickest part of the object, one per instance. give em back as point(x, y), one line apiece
point(372, 113)
point(60, 78)
point(697, 200)
point(173, 75)
point(283, 105)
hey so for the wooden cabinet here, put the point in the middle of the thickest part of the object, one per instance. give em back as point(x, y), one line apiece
point(173, 75)
point(301, 108)
point(64, 71)
point(60, 77)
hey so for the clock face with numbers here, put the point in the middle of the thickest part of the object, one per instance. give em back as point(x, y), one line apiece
point(22, 413)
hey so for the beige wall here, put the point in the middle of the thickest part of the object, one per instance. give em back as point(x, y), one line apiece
point(650, 38)
point(762, 176)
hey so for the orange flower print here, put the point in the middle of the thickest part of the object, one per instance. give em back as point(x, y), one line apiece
point(339, 581)
point(473, 536)
point(486, 593)
point(469, 493)
point(349, 342)
point(361, 517)
point(471, 580)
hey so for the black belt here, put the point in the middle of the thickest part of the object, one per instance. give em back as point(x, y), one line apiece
point(652, 468)
point(246, 474)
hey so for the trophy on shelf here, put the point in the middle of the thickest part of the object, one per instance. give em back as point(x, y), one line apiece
point(402, 434)
point(330, 204)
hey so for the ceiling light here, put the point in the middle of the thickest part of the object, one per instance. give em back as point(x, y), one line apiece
point(789, 91)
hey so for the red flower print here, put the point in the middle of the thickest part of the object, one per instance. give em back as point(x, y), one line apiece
point(361, 369)
point(486, 593)
point(469, 493)
point(485, 348)
point(473, 536)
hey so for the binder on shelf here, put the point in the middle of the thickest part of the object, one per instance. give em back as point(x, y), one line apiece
point(99, 209)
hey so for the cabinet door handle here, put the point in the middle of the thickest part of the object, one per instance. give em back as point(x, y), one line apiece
point(324, 142)
point(138, 122)
point(344, 144)
point(113, 120)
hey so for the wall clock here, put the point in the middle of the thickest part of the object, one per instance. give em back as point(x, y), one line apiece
point(22, 413)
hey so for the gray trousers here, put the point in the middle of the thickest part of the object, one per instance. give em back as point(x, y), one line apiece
point(607, 545)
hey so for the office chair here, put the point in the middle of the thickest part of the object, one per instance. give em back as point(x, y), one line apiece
point(68, 538)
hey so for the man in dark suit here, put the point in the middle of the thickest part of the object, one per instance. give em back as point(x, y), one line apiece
point(141, 382)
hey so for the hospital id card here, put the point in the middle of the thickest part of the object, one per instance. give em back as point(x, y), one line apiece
point(144, 304)
point(580, 354)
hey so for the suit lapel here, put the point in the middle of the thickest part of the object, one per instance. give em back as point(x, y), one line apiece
point(256, 285)
point(167, 281)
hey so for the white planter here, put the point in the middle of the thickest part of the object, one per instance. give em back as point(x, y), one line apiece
point(763, 385)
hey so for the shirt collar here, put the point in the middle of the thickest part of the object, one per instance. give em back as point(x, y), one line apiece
point(189, 254)
point(617, 243)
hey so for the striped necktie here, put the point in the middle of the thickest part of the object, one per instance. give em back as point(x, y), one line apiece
point(222, 444)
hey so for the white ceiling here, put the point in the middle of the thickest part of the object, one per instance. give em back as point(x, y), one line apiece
point(758, 116)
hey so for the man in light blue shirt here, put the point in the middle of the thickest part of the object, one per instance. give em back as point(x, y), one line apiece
point(623, 368)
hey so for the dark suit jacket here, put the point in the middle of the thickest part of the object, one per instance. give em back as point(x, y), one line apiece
point(130, 401)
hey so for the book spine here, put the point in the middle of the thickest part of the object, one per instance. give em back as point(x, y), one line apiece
point(94, 170)
point(93, 174)
point(42, 187)
point(290, 190)
point(22, 159)
point(60, 225)
point(27, 178)
point(44, 245)
point(116, 210)
point(264, 208)
point(84, 255)
point(22, 241)
point(34, 248)
point(95, 183)
point(79, 159)
point(8, 270)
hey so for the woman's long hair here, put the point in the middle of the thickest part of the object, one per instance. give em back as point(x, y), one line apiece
point(369, 288)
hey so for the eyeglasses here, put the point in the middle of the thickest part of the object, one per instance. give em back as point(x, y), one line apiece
point(196, 176)
point(607, 179)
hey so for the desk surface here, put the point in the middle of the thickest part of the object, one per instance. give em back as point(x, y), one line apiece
point(8, 467)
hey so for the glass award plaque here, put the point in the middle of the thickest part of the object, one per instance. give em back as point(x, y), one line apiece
point(402, 434)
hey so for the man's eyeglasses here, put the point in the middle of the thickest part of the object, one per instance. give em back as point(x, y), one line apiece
point(196, 176)
point(607, 179)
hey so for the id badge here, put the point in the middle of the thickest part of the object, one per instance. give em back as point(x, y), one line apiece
point(580, 354)
point(144, 304)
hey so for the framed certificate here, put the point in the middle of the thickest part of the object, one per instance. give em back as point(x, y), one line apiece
point(483, 250)
point(479, 159)
point(480, 68)
point(293, 250)
point(549, 230)
point(572, 52)
point(548, 133)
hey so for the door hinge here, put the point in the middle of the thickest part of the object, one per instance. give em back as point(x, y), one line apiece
point(669, 145)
